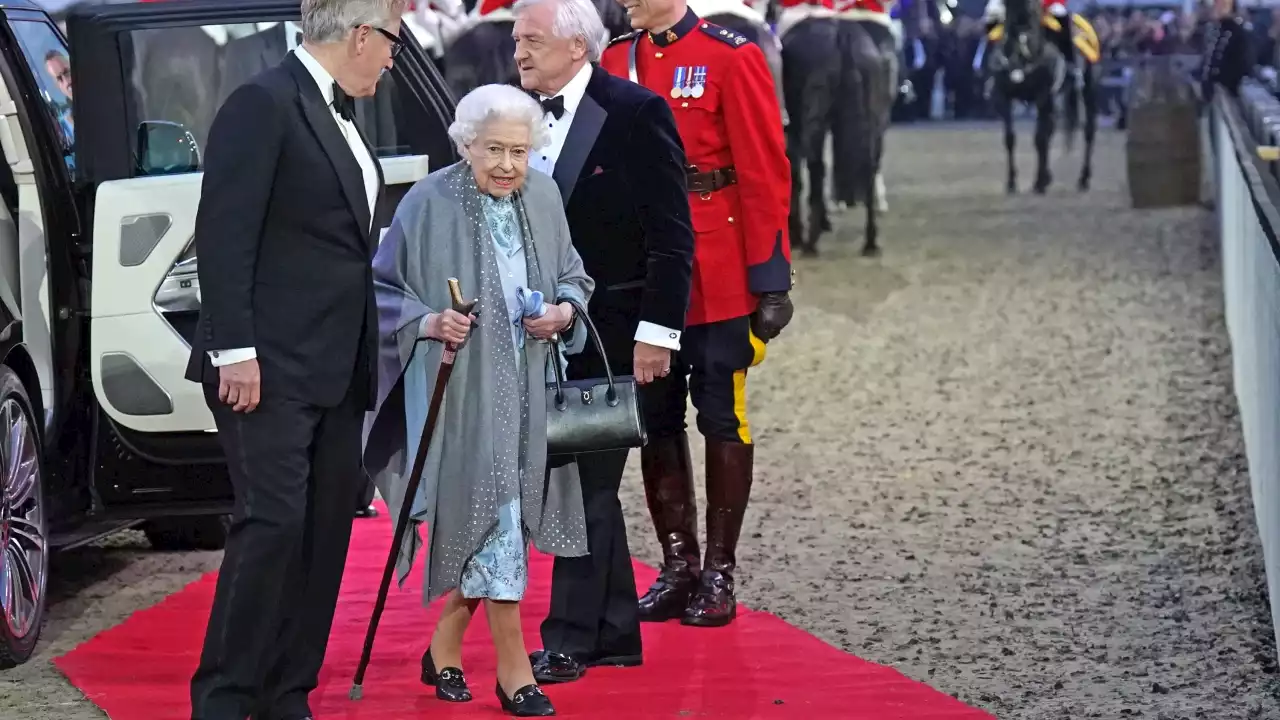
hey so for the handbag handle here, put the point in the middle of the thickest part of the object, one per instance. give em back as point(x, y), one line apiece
point(611, 397)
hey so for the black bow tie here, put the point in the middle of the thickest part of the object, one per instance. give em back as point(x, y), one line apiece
point(554, 105)
point(343, 103)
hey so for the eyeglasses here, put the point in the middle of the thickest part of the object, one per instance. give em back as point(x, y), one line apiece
point(497, 153)
point(397, 42)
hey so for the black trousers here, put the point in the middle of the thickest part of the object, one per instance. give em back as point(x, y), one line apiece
point(711, 370)
point(295, 468)
point(593, 609)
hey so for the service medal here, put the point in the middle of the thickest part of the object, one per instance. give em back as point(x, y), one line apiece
point(677, 82)
point(699, 81)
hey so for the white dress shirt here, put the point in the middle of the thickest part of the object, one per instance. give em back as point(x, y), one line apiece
point(544, 160)
point(361, 152)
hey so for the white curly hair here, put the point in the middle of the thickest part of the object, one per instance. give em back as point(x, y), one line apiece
point(488, 103)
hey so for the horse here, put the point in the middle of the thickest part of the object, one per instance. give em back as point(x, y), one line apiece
point(868, 88)
point(1024, 63)
point(481, 52)
point(810, 37)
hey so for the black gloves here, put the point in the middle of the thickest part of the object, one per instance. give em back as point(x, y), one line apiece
point(772, 315)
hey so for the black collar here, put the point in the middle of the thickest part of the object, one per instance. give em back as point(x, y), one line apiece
point(679, 30)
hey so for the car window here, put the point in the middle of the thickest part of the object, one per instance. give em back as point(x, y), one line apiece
point(51, 65)
point(182, 75)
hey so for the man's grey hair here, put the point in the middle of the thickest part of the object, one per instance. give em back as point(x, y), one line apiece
point(329, 21)
point(575, 18)
point(489, 103)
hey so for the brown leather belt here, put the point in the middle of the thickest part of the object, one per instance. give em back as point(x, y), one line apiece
point(712, 180)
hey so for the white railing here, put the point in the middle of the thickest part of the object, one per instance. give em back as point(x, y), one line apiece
point(1246, 195)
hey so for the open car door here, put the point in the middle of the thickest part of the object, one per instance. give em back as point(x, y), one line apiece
point(149, 78)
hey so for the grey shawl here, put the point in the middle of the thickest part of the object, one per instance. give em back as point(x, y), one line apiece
point(439, 231)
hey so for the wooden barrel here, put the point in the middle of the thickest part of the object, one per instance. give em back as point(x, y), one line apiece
point(1162, 148)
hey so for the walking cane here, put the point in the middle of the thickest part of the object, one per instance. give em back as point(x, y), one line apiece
point(415, 479)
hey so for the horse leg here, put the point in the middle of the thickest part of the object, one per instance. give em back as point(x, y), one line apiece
point(1044, 136)
point(870, 248)
point(882, 201)
point(795, 224)
point(1010, 142)
point(1090, 128)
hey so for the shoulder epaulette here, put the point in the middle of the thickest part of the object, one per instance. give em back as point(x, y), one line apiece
point(620, 38)
point(724, 35)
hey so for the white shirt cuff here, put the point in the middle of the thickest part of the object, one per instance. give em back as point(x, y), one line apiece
point(663, 337)
point(422, 327)
point(233, 356)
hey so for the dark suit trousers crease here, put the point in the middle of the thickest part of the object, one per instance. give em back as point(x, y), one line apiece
point(593, 598)
point(295, 468)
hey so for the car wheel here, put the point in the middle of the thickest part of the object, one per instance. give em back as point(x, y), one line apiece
point(198, 532)
point(24, 546)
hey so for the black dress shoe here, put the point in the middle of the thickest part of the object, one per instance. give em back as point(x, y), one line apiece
point(669, 596)
point(369, 512)
point(528, 701)
point(714, 605)
point(553, 667)
point(450, 683)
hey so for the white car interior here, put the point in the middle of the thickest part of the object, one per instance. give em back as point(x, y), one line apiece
point(144, 268)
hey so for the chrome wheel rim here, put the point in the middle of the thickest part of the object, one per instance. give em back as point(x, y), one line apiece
point(22, 527)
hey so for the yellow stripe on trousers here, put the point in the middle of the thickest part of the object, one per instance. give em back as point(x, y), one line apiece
point(740, 389)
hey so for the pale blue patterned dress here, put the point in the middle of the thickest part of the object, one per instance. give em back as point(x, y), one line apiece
point(499, 569)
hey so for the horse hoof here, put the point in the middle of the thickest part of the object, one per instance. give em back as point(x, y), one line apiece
point(871, 251)
point(1083, 185)
point(825, 224)
point(809, 251)
point(1011, 188)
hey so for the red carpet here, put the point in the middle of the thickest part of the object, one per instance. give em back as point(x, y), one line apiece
point(759, 667)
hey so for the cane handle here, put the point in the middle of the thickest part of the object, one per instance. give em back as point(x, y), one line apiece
point(460, 306)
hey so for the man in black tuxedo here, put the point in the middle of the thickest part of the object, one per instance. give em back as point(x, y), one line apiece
point(617, 157)
point(284, 347)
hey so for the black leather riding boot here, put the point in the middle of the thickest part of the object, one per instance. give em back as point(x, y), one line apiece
point(668, 487)
point(729, 471)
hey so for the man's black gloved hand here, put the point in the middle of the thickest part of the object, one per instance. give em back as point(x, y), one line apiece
point(773, 313)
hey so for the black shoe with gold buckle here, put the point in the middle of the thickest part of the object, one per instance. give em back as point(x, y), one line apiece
point(450, 683)
point(528, 701)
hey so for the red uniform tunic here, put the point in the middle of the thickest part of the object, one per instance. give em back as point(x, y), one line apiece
point(728, 116)
point(829, 4)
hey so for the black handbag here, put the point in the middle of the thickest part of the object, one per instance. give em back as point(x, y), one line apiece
point(595, 414)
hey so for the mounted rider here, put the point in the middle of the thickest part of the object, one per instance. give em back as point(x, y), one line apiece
point(1057, 21)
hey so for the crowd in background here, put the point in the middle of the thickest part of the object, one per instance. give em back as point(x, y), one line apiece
point(939, 59)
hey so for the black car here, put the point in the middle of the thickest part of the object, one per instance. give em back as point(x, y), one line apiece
point(101, 148)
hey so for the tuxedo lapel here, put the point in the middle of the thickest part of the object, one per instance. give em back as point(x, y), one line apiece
point(587, 121)
point(382, 187)
point(320, 118)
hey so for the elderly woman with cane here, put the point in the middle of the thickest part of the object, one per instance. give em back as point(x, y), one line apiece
point(485, 491)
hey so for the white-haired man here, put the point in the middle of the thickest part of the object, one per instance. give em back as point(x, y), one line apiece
point(285, 350)
point(616, 155)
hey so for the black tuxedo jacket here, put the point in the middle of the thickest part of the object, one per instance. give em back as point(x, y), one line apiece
point(284, 244)
point(621, 174)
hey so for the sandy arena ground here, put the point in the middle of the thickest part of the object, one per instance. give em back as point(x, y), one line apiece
point(1004, 458)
